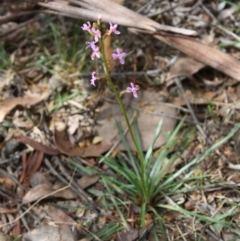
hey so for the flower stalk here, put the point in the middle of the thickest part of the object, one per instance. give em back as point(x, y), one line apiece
point(98, 51)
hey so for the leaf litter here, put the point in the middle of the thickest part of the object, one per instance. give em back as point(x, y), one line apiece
point(42, 92)
point(149, 107)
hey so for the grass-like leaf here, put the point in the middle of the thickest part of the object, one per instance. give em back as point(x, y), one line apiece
point(106, 232)
point(157, 183)
point(149, 154)
point(132, 159)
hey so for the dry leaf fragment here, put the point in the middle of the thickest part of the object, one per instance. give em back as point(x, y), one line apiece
point(204, 54)
point(30, 166)
point(193, 98)
point(191, 204)
point(60, 217)
point(131, 234)
point(28, 100)
point(37, 145)
point(171, 216)
point(49, 233)
point(147, 120)
point(37, 192)
point(87, 181)
point(66, 147)
point(112, 12)
point(46, 190)
point(184, 66)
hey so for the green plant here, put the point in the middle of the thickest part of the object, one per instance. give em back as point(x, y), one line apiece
point(5, 61)
point(142, 179)
point(146, 191)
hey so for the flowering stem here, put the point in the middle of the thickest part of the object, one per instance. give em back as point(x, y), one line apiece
point(111, 85)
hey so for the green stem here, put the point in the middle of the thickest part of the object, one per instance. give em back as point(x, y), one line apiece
point(111, 85)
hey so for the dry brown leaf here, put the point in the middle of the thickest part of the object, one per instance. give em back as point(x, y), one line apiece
point(206, 98)
point(171, 216)
point(37, 192)
point(203, 53)
point(47, 190)
point(30, 166)
point(111, 12)
point(108, 51)
point(184, 66)
point(147, 120)
point(131, 234)
point(28, 100)
point(60, 217)
point(87, 181)
point(37, 145)
point(66, 147)
point(49, 233)
point(191, 204)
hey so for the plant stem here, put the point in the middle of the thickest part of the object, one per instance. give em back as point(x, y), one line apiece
point(111, 85)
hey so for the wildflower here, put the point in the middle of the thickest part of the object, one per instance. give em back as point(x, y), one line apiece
point(113, 28)
point(97, 34)
point(119, 55)
point(94, 78)
point(133, 89)
point(86, 27)
point(95, 53)
point(91, 44)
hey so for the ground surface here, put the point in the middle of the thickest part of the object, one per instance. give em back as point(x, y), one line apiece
point(55, 130)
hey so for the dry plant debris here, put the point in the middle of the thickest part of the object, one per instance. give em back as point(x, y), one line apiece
point(53, 127)
point(147, 108)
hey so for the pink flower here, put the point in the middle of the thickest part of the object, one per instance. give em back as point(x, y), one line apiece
point(113, 28)
point(91, 44)
point(133, 89)
point(95, 53)
point(97, 34)
point(94, 78)
point(95, 49)
point(86, 27)
point(119, 55)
